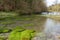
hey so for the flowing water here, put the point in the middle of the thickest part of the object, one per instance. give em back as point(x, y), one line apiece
point(51, 30)
point(48, 26)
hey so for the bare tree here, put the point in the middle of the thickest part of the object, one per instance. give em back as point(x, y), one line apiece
point(23, 6)
point(39, 6)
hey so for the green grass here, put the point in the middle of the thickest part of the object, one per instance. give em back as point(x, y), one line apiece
point(18, 18)
point(11, 20)
point(15, 16)
point(7, 15)
point(55, 17)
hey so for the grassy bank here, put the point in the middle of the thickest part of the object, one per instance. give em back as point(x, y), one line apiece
point(55, 17)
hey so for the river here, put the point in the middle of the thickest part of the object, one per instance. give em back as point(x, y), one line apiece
point(48, 26)
point(51, 29)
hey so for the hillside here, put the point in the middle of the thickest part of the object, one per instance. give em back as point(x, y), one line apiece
point(54, 8)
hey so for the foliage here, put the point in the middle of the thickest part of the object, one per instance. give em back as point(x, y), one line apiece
point(54, 8)
point(22, 6)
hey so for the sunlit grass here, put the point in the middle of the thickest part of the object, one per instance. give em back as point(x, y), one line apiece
point(56, 17)
point(7, 14)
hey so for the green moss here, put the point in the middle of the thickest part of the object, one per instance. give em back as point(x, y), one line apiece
point(21, 34)
point(7, 22)
point(27, 25)
point(18, 28)
point(14, 35)
point(4, 30)
point(27, 34)
point(2, 38)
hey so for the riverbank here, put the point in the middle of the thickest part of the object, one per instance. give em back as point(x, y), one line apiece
point(55, 17)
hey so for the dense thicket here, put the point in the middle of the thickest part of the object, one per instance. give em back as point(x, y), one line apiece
point(23, 6)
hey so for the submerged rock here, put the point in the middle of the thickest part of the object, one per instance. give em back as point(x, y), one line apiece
point(21, 34)
point(40, 36)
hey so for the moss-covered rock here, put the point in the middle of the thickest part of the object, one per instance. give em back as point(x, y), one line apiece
point(4, 30)
point(21, 34)
point(27, 34)
point(2, 38)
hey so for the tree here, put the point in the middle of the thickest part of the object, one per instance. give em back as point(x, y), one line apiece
point(39, 6)
point(23, 6)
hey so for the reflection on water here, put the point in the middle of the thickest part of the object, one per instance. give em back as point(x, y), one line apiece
point(40, 24)
point(52, 28)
